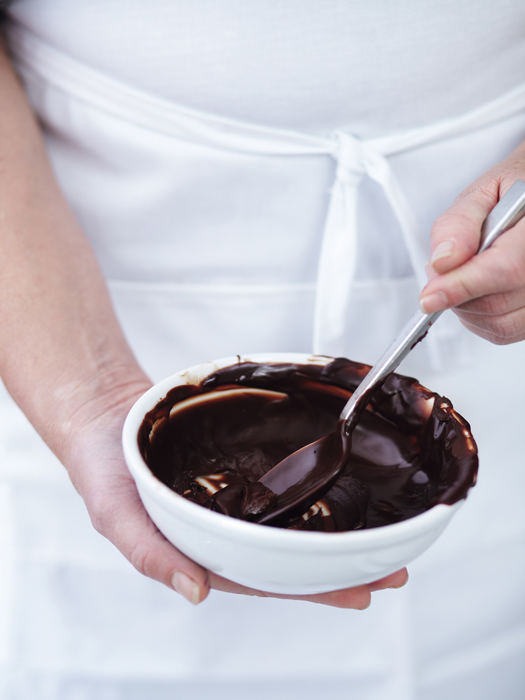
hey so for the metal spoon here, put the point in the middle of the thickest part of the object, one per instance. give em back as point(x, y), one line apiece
point(304, 476)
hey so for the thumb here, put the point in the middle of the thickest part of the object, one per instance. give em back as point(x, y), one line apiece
point(455, 235)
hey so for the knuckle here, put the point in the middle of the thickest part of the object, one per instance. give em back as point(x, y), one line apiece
point(485, 189)
point(440, 226)
point(461, 222)
point(100, 517)
point(497, 304)
point(503, 327)
point(496, 340)
point(141, 557)
point(463, 291)
point(451, 221)
point(492, 304)
point(98, 523)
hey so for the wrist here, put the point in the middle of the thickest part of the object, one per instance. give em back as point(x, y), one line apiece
point(94, 403)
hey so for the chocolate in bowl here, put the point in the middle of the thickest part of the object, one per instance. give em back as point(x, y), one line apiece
point(210, 441)
point(274, 559)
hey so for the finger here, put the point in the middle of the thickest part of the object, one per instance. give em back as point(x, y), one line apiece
point(490, 336)
point(500, 330)
point(130, 529)
point(494, 304)
point(455, 235)
point(357, 597)
point(396, 580)
point(497, 270)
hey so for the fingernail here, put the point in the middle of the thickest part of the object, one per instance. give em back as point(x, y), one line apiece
point(433, 302)
point(186, 586)
point(443, 250)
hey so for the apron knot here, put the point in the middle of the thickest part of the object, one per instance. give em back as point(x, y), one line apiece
point(356, 158)
point(351, 158)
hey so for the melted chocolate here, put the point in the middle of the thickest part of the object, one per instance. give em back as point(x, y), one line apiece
point(410, 449)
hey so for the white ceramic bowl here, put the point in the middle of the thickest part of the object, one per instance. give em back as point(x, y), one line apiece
point(267, 558)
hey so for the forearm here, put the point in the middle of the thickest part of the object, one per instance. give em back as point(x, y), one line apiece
point(63, 356)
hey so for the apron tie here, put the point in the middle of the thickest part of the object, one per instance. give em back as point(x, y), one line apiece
point(337, 264)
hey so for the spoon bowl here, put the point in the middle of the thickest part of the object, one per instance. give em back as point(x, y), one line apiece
point(313, 468)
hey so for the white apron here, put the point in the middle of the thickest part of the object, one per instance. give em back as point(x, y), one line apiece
point(78, 622)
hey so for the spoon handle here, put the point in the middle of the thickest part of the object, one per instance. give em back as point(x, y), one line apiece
point(505, 214)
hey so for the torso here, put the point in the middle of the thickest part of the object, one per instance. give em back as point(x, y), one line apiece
point(373, 69)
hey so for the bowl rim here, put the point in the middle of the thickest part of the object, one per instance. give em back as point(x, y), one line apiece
point(234, 528)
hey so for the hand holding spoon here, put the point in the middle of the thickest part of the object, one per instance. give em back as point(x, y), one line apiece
point(306, 475)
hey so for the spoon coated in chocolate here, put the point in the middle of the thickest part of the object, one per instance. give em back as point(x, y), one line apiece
point(313, 468)
point(304, 476)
